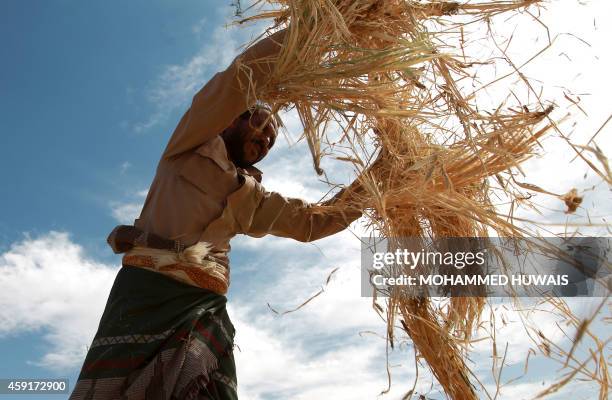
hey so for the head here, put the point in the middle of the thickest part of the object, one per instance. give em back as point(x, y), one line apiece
point(249, 138)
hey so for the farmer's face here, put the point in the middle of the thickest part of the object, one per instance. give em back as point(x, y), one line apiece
point(258, 134)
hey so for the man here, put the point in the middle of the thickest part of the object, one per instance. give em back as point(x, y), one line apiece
point(165, 332)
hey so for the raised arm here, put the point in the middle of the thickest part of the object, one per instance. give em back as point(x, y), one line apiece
point(224, 97)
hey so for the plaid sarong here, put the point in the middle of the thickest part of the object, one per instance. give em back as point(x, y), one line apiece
point(159, 339)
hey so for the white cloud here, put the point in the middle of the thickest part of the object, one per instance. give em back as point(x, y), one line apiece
point(520, 391)
point(303, 276)
point(271, 366)
point(514, 323)
point(50, 285)
point(126, 212)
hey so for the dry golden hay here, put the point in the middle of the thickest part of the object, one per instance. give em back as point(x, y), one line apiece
point(391, 77)
point(571, 200)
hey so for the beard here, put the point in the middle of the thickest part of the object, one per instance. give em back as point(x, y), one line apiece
point(234, 143)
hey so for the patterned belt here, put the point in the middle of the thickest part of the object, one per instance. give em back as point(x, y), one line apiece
point(189, 266)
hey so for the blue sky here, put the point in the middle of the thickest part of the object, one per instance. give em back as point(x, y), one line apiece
point(90, 92)
point(73, 80)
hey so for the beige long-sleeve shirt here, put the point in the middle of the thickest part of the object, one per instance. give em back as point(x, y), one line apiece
point(199, 195)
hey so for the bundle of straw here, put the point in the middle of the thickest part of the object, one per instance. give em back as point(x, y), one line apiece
point(377, 69)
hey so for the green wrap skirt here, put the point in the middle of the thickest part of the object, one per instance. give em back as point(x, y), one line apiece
point(159, 339)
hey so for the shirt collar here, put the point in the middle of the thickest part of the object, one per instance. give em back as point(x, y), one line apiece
point(251, 171)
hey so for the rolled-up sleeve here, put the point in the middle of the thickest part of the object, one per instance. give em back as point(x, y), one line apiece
point(225, 96)
point(258, 212)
